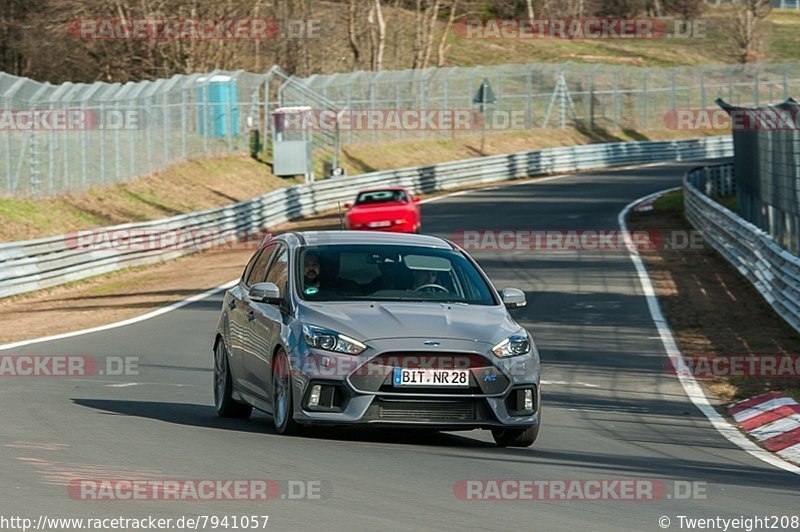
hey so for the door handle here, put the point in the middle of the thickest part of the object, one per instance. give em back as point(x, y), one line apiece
point(232, 304)
point(251, 316)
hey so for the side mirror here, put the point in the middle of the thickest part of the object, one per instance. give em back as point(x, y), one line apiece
point(347, 205)
point(265, 293)
point(417, 199)
point(513, 298)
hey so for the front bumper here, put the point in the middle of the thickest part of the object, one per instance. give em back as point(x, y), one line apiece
point(364, 394)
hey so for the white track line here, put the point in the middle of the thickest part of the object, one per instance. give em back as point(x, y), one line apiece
point(123, 323)
point(693, 390)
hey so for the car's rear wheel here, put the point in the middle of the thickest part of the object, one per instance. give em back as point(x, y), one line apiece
point(515, 437)
point(224, 403)
point(282, 399)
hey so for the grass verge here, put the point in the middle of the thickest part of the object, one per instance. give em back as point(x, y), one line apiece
point(712, 309)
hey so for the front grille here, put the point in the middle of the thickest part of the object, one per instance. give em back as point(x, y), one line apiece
point(426, 412)
point(432, 411)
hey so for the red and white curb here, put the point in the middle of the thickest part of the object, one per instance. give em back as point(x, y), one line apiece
point(773, 420)
point(644, 206)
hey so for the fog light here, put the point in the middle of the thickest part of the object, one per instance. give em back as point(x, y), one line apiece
point(528, 399)
point(313, 400)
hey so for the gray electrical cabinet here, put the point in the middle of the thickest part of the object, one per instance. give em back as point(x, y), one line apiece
point(291, 143)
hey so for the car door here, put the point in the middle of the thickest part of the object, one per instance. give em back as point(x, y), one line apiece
point(238, 306)
point(264, 323)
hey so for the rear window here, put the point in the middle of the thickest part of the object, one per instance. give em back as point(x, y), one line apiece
point(380, 196)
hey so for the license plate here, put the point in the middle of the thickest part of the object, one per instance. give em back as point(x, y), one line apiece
point(379, 224)
point(430, 377)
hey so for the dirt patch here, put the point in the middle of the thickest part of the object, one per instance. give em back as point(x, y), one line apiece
point(712, 309)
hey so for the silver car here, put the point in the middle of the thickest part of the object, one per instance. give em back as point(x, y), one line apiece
point(361, 328)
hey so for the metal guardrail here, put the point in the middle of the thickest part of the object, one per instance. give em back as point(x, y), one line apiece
point(773, 270)
point(36, 264)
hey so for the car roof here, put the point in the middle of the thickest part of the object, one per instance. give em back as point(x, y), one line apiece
point(378, 189)
point(325, 238)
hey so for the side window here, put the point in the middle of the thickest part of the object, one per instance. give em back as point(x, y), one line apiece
point(249, 267)
point(279, 271)
point(258, 269)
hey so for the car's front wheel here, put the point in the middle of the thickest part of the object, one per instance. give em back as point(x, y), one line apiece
point(282, 399)
point(224, 403)
point(515, 437)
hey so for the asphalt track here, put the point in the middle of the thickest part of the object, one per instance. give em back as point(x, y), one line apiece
point(611, 410)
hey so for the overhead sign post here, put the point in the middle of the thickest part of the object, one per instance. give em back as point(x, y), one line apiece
point(483, 97)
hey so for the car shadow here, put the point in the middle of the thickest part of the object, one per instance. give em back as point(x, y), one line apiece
point(197, 415)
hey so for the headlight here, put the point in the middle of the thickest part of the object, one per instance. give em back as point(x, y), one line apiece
point(329, 340)
point(519, 344)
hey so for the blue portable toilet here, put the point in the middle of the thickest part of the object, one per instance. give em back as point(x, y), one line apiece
point(217, 105)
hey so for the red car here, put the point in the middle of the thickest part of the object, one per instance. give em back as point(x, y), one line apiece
point(385, 209)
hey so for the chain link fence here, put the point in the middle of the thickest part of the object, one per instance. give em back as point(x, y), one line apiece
point(122, 131)
point(66, 138)
point(777, 4)
point(542, 96)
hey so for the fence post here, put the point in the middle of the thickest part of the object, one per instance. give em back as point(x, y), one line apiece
point(84, 151)
point(644, 96)
point(167, 129)
point(703, 89)
point(103, 147)
point(51, 157)
point(184, 125)
point(9, 163)
point(34, 169)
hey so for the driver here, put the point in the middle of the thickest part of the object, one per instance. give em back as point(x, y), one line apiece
point(423, 277)
point(311, 271)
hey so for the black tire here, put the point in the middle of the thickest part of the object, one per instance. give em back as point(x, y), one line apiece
point(224, 403)
point(282, 396)
point(516, 437)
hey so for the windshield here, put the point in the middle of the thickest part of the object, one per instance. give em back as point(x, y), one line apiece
point(380, 196)
point(390, 273)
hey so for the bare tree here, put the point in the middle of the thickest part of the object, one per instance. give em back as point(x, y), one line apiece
point(352, 32)
point(419, 34)
point(376, 16)
point(529, 5)
point(748, 31)
point(443, 46)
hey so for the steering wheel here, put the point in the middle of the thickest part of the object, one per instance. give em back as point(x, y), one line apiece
point(434, 286)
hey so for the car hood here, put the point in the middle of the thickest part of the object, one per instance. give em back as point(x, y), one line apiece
point(367, 321)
